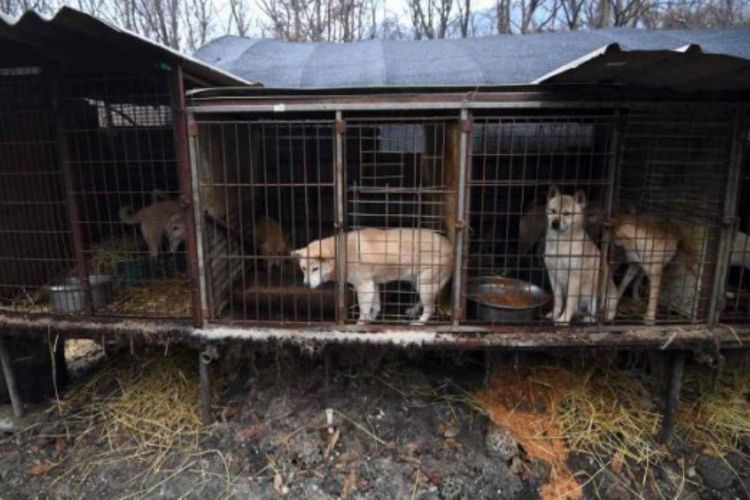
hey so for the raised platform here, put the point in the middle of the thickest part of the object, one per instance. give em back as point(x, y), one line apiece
point(535, 337)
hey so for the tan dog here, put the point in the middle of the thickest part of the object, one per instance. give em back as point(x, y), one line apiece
point(270, 241)
point(533, 225)
point(378, 256)
point(573, 261)
point(649, 243)
point(162, 217)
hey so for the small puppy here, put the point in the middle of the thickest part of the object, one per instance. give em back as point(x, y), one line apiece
point(649, 243)
point(162, 217)
point(378, 256)
point(573, 261)
point(270, 242)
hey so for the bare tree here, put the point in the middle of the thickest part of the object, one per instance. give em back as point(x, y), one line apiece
point(18, 7)
point(239, 17)
point(464, 16)
point(430, 18)
point(502, 9)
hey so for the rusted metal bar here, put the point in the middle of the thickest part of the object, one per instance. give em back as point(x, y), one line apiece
point(461, 223)
point(73, 210)
point(340, 176)
point(10, 380)
point(198, 217)
point(673, 397)
point(186, 190)
point(733, 187)
point(612, 176)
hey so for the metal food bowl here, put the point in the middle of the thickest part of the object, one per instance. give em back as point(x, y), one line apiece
point(505, 300)
point(67, 296)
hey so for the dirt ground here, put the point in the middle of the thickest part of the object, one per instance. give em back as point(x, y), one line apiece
point(379, 427)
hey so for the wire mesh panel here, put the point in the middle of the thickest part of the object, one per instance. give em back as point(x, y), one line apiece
point(671, 192)
point(737, 294)
point(267, 188)
point(401, 183)
point(35, 233)
point(119, 147)
point(539, 190)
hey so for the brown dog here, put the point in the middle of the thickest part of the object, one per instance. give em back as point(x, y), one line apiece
point(162, 217)
point(650, 243)
point(270, 241)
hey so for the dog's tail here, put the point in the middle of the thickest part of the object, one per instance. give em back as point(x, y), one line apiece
point(127, 216)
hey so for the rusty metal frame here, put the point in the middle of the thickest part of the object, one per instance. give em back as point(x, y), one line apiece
point(729, 217)
point(202, 312)
point(74, 213)
point(185, 174)
point(462, 203)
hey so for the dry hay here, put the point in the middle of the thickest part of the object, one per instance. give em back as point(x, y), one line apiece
point(168, 297)
point(715, 413)
point(527, 402)
point(609, 417)
point(603, 415)
point(144, 410)
point(105, 256)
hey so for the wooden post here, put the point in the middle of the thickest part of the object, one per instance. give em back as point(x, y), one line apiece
point(10, 381)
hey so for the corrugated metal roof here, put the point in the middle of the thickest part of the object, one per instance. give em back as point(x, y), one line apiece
point(495, 60)
point(71, 35)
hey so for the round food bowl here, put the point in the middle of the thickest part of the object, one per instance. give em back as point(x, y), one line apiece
point(505, 300)
point(67, 296)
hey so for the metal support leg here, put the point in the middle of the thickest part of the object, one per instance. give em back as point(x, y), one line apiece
point(487, 367)
point(673, 397)
point(10, 381)
point(326, 369)
point(204, 360)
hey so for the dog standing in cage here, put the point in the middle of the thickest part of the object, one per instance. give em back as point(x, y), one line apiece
point(378, 256)
point(650, 243)
point(573, 261)
point(163, 217)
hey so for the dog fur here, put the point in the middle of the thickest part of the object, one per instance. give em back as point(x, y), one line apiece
point(161, 218)
point(377, 256)
point(533, 225)
point(650, 243)
point(270, 242)
point(573, 261)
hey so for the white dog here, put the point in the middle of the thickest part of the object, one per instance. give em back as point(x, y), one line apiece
point(377, 256)
point(573, 261)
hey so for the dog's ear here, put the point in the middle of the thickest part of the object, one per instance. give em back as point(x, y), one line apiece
point(298, 254)
point(552, 192)
point(580, 198)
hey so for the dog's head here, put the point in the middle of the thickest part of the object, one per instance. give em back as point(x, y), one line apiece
point(316, 268)
point(274, 250)
point(565, 211)
point(175, 231)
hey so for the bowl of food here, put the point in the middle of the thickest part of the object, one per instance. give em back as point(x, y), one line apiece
point(505, 300)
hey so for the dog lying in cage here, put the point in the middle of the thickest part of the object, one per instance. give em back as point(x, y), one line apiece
point(378, 256)
point(573, 261)
point(161, 218)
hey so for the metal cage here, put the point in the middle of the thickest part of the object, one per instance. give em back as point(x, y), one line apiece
point(85, 156)
point(648, 181)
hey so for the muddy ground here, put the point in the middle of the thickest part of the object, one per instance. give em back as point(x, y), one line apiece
point(400, 427)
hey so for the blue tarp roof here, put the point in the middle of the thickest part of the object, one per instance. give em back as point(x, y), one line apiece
point(495, 60)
